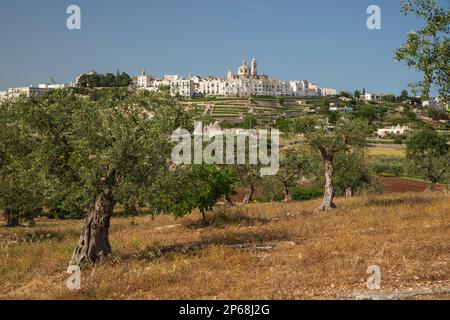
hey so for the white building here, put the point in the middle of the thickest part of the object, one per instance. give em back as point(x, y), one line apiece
point(314, 89)
point(300, 87)
point(328, 92)
point(182, 87)
point(177, 84)
point(39, 90)
point(144, 80)
point(393, 130)
point(245, 83)
point(373, 97)
point(54, 86)
point(341, 109)
point(27, 91)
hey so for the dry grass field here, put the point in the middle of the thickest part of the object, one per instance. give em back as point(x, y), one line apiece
point(260, 251)
point(387, 151)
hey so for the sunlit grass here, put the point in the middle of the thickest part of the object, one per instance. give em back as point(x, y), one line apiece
point(260, 251)
point(384, 151)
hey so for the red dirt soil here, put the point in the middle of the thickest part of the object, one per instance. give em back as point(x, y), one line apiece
point(394, 184)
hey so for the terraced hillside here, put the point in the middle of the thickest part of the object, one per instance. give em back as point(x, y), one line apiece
point(265, 109)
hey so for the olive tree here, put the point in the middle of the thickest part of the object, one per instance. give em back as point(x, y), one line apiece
point(199, 186)
point(428, 49)
point(352, 172)
point(114, 149)
point(294, 164)
point(429, 154)
point(249, 177)
point(21, 188)
point(330, 141)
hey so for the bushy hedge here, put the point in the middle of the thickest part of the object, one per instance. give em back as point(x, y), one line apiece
point(388, 166)
point(303, 194)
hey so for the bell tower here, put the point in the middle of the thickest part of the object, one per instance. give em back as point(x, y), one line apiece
point(254, 67)
point(229, 75)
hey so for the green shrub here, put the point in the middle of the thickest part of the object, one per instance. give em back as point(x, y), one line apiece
point(270, 197)
point(303, 194)
point(388, 166)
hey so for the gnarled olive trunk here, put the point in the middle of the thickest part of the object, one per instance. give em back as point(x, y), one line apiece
point(11, 218)
point(432, 186)
point(249, 195)
point(204, 221)
point(228, 200)
point(287, 194)
point(327, 203)
point(93, 243)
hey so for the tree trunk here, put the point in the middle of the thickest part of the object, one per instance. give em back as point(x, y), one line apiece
point(204, 222)
point(327, 203)
point(12, 218)
point(431, 187)
point(94, 242)
point(349, 192)
point(228, 201)
point(287, 194)
point(130, 210)
point(249, 195)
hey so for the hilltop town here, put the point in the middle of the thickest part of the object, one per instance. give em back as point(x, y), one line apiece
point(245, 83)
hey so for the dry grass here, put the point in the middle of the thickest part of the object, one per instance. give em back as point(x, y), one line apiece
point(385, 151)
point(261, 251)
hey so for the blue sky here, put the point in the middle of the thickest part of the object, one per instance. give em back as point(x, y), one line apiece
point(324, 40)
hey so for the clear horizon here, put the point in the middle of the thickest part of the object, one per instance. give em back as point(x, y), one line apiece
point(324, 41)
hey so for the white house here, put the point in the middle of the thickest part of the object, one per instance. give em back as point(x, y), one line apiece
point(300, 87)
point(314, 89)
point(27, 91)
point(328, 91)
point(393, 130)
point(182, 87)
point(373, 96)
point(38, 90)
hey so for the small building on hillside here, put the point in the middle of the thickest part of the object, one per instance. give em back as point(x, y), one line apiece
point(26, 91)
point(398, 130)
point(341, 109)
point(373, 97)
point(328, 92)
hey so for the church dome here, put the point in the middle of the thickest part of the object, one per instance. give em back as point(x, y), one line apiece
point(244, 69)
